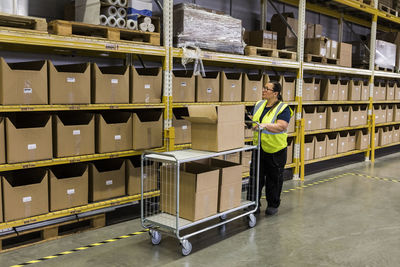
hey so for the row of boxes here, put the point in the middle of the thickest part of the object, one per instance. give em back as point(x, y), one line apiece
point(41, 82)
point(40, 136)
point(387, 135)
point(322, 145)
point(386, 113)
point(32, 192)
point(206, 187)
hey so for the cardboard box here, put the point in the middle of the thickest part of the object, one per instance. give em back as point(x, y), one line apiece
point(285, 37)
point(376, 137)
point(25, 193)
point(390, 90)
point(288, 88)
point(183, 128)
point(392, 37)
point(133, 176)
point(365, 91)
point(230, 183)
point(331, 144)
point(396, 91)
point(73, 134)
point(69, 84)
point(351, 145)
point(329, 89)
point(317, 89)
point(320, 146)
point(345, 55)
point(343, 140)
point(396, 113)
point(317, 46)
point(248, 133)
point(382, 92)
point(110, 85)
point(380, 113)
point(2, 143)
point(145, 85)
point(1, 206)
point(313, 31)
point(262, 38)
point(354, 92)
point(396, 134)
point(28, 137)
point(383, 136)
point(333, 52)
point(345, 122)
point(389, 113)
point(207, 88)
point(308, 89)
point(343, 90)
point(289, 157)
point(252, 87)
point(246, 160)
point(231, 87)
point(147, 129)
point(69, 186)
point(106, 179)
point(198, 194)
point(113, 131)
point(309, 145)
point(334, 117)
point(217, 128)
point(309, 117)
point(362, 139)
point(183, 86)
point(292, 125)
point(320, 118)
point(23, 83)
point(358, 115)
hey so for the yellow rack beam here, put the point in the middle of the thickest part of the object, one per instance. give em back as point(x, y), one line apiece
point(336, 156)
point(387, 123)
point(388, 145)
point(336, 130)
point(336, 102)
point(387, 101)
point(76, 210)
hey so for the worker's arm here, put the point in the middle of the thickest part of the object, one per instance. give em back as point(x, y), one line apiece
point(277, 127)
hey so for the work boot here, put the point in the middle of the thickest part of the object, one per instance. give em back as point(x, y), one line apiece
point(271, 211)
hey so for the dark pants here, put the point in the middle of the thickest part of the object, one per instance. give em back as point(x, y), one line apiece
point(271, 176)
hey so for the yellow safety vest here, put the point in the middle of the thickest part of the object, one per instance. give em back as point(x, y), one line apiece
point(270, 142)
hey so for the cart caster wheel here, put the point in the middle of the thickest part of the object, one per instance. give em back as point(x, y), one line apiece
point(222, 217)
point(155, 237)
point(186, 247)
point(252, 220)
point(222, 229)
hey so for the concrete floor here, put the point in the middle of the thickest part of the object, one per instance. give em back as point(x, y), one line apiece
point(347, 221)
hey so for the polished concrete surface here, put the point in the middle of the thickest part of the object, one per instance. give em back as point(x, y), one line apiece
point(347, 221)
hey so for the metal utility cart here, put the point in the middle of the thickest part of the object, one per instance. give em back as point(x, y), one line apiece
point(163, 170)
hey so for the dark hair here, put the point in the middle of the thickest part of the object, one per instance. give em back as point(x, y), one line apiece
point(278, 88)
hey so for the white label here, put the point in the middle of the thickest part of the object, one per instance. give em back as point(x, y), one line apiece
point(117, 137)
point(76, 132)
point(233, 85)
point(184, 127)
point(26, 199)
point(209, 90)
point(255, 88)
point(320, 148)
point(70, 191)
point(309, 122)
point(183, 84)
point(70, 79)
point(147, 86)
point(27, 90)
point(109, 182)
point(31, 146)
point(144, 175)
point(331, 144)
point(323, 52)
point(114, 81)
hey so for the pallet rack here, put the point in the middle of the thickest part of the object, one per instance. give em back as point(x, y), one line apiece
point(13, 39)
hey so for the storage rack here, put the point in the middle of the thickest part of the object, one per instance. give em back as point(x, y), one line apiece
point(42, 42)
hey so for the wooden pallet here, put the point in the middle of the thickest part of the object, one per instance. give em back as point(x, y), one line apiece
point(23, 22)
point(378, 68)
point(333, 61)
point(46, 233)
point(366, 2)
point(269, 52)
point(70, 28)
point(387, 9)
point(310, 58)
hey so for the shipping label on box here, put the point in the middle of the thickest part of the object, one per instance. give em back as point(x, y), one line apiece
point(145, 85)
point(208, 87)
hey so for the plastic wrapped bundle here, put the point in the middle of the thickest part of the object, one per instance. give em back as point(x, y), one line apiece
point(207, 29)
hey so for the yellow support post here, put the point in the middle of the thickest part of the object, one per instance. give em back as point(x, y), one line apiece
point(373, 140)
point(302, 136)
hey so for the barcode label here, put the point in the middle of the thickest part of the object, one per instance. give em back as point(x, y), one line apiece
point(147, 86)
point(114, 81)
point(76, 132)
point(26, 199)
point(117, 137)
point(27, 90)
point(109, 182)
point(31, 146)
point(183, 83)
point(70, 191)
point(70, 79)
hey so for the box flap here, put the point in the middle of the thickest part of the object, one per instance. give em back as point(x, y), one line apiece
point(116, 70)
point(202, 114)
point(71, 68)
point(68, 170)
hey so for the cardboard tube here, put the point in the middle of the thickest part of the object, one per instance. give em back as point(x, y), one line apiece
point(110, 11)
point(111, 2)
point(151, 27)
point(122, 2)
point(121, 23)
point(103, 20)
point(111, 21)
point(132, 24)
point(143, 27)
point(121, 12)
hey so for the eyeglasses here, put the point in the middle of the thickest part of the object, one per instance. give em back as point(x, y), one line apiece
point(267, 89)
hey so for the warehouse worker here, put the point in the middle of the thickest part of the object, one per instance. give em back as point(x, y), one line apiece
point(274, 117)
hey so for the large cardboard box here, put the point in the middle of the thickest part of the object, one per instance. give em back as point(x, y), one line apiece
point(313, 31)
point(345, 55)
point(133, 176)
point(252, 87)
point(285, 37)
point(358, 115)
point(289, 155)
point(110, 85)
point(207, 88)
point(113, 131)
point(365, 91)
point(389, 113)
point(2, 142)
point(331, 144)
point(329, 89)
point(106, 179)
point(23, 83)
point(320, 146)
point(145, 85)
point(183, 86)
point(147, 129)
point(317, 46)
point(354, 90)
point(217, 128)
point(343, 90)
point(25, 193)
point(334, 117)
point(343, 140)
point(73, 134)
point(390, 90)
point(263, 38)
point(362, 139)
point(183, 128)
point(308, 89)
point(69, 186)
point(309, 145)
point(69, 84)
point(230, 183)
point(198, 191)
point(231, 87)
point(28, 137)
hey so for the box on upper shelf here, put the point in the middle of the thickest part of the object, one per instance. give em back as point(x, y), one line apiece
point(147, 129)
point(263, 38)
point(145, 85)
point(231, 87)
point(183, 86)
